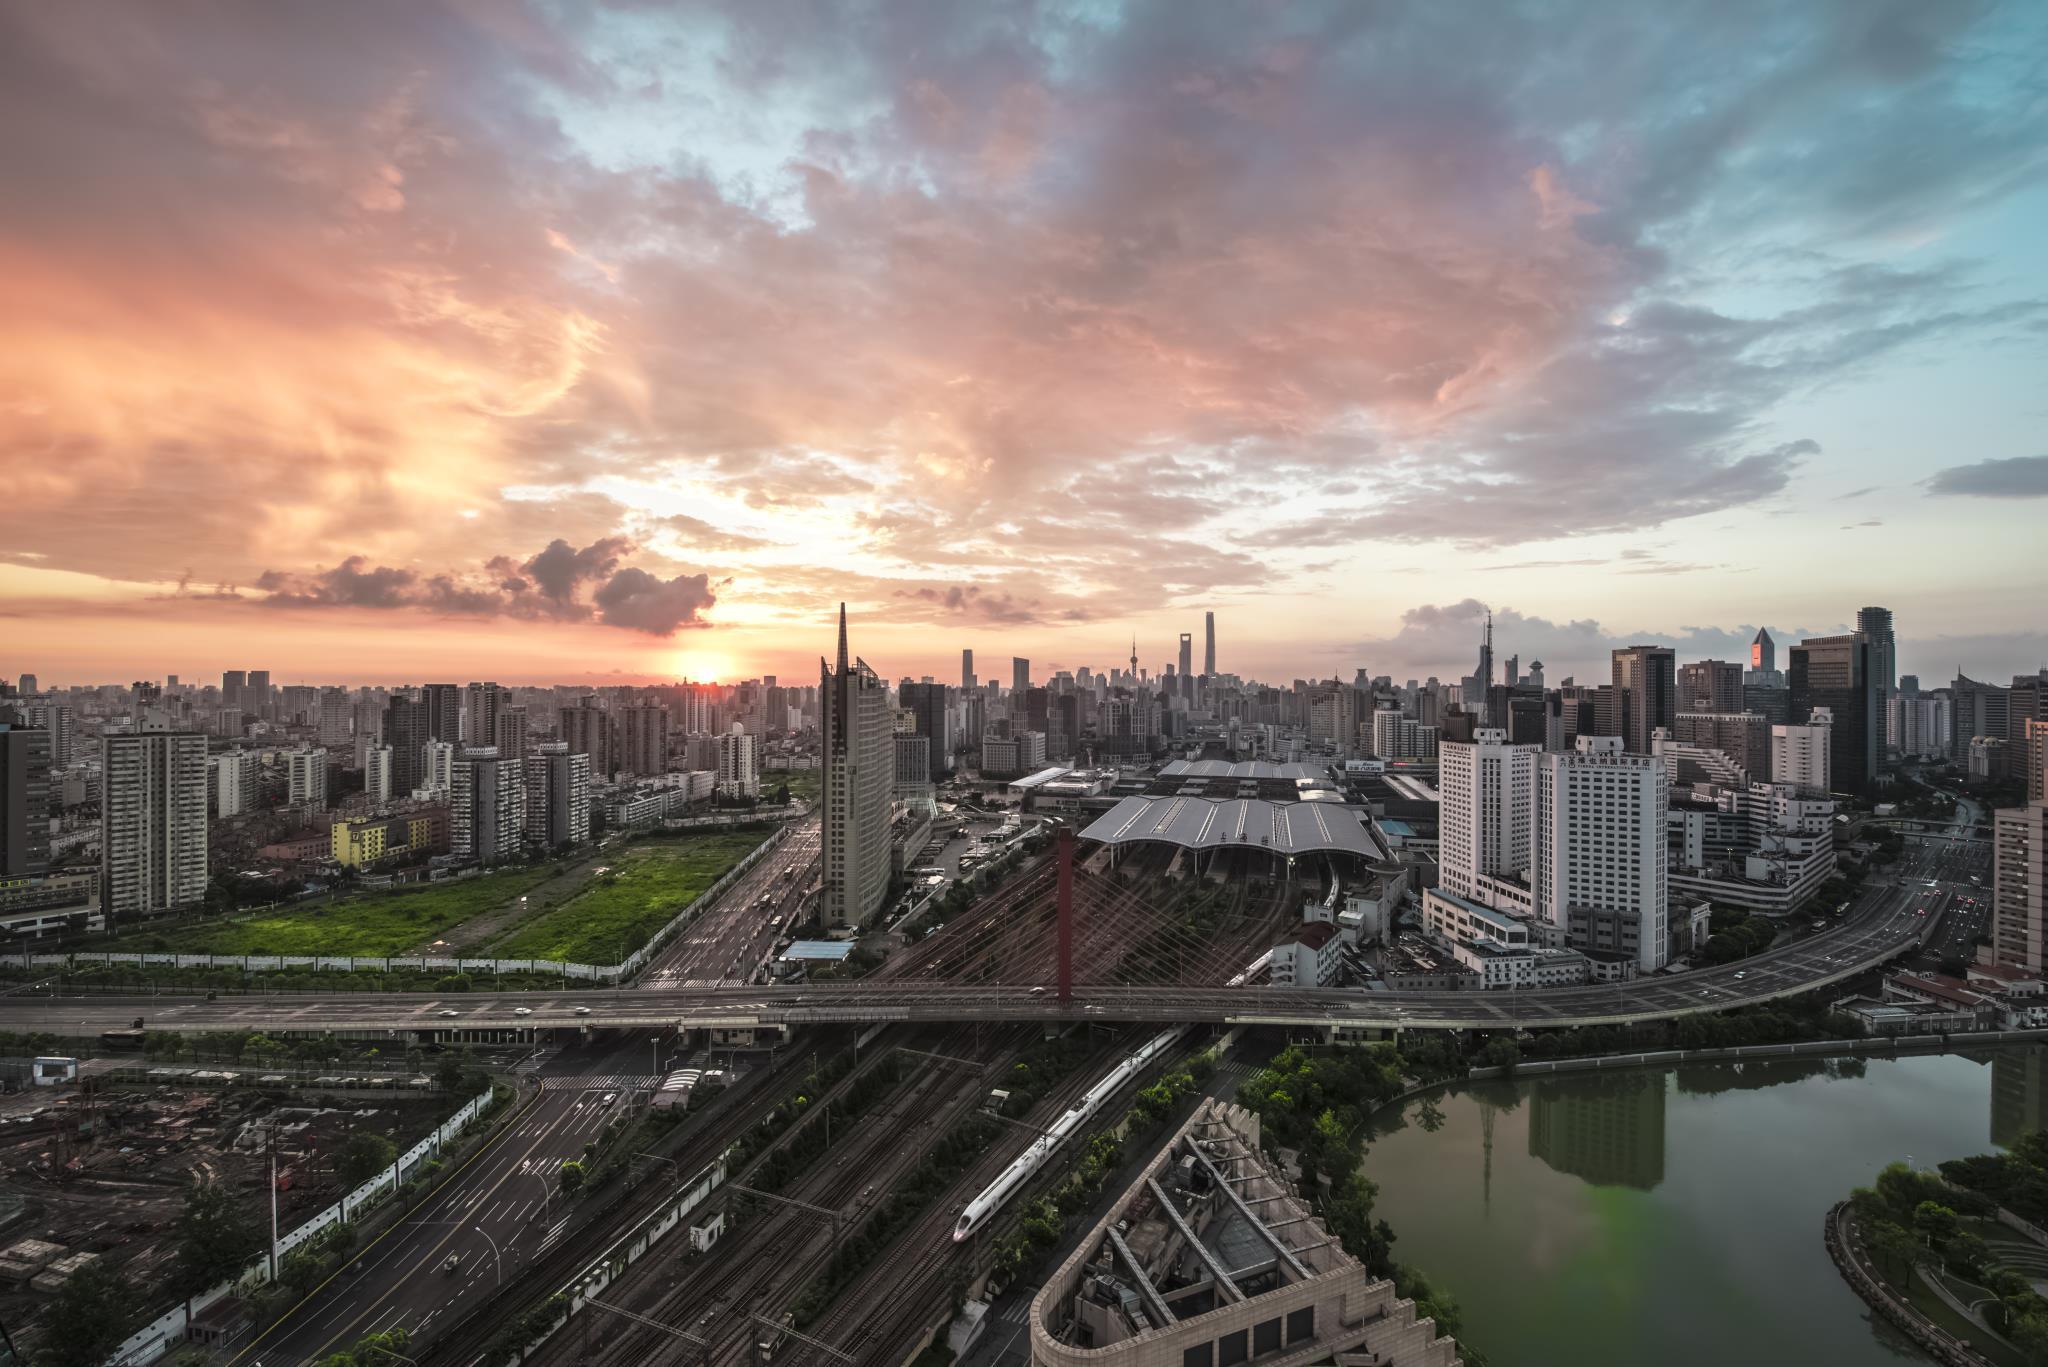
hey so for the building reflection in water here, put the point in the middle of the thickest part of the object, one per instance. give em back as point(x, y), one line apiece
point(1607, 1129)
point(2019, 1094)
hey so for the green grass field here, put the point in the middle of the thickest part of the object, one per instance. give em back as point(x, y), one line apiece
point(616, 914)
point(803, 783)
point(371, 923)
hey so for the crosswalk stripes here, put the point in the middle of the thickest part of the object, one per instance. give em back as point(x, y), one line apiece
point(601, 1082)
point(554, 1233)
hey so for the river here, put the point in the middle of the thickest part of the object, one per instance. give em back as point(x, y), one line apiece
point(1674, 1217)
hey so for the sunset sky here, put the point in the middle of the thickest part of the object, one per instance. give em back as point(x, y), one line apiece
point(385, 342)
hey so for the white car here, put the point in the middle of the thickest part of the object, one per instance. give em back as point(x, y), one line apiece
point(448, 1013)
point(522, 1010)
point(582, 1010)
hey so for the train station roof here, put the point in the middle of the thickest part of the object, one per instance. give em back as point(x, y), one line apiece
point(1199, 823)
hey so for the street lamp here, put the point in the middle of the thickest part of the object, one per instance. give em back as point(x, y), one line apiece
point(496, 1262)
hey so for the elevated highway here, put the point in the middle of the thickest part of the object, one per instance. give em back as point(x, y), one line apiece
point(1889, 919)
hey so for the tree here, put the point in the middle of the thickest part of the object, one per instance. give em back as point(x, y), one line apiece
point(215, 1236)
point(1966, 1253)
point(1891, 1246)
point(1935, 1223)
point(573, 1176)
point(372, 1350)
point(366, 1154)
point(87, 1318)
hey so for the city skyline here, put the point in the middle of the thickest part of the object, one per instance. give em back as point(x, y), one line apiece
point(470, 341)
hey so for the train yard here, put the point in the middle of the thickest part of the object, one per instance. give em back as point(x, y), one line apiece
point(1133, 925)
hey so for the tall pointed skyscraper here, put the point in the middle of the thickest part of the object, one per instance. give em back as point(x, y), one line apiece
point(1763, 653)
point(860, 776)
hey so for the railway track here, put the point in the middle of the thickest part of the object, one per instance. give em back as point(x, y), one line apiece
point(880, 1316)
point(740, 1110)
point(779, 1248)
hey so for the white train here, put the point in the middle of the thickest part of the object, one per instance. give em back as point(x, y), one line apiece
point(998, 1192)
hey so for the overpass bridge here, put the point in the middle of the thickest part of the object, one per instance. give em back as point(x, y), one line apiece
point(1890, 920)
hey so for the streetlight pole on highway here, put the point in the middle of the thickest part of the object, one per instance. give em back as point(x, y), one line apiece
point(496, 1262)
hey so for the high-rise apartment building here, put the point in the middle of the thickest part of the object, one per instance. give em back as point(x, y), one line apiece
point(25, 800)
point(1802, 755)
point(860, 770)
point(930, 718)
point(1020, 674)
point(152, 823)
point(557, 797)
point(486, 806)
point(443, 702)
point(968, 683)
point(377, 773)
point(643, 740)
point(234, 683)
point(1486, 813)
point(29, 686)
point(1921, 727)
point(233, 779)
point(306, 779)
point(437, 768)
point(509, 731)
point(407, 732)
point(1978, 709)
point(586, 730)
point(336, 717)
point(257, 696)
point(1601, 866)
point(1209, 644)
point(1836, 672)
point(480, 704)
point(739, 769)
point(2019, 886)
point(54, 718)
point(1645, 691)
point(2027, 706)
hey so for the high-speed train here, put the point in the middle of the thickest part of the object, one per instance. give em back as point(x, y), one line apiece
point(998, 1192)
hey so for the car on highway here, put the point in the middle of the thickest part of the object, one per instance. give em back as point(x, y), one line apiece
point(582, 1010)
point(447, 1013)
point(610, 1099)
point(522, 1010)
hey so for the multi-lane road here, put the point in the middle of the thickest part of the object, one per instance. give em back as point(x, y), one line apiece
point(1882, 924)
point(498, 1211)
point(733, 936)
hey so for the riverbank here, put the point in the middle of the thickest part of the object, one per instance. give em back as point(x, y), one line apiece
point(1853, 1261)
point(1668, 1213)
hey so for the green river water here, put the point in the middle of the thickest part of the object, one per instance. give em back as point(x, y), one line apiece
point(1674, 1217)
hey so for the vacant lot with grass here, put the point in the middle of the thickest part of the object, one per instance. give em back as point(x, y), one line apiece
point(619, 910)
point(368, 923)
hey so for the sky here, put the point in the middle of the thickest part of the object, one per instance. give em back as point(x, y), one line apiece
point(381, 342)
